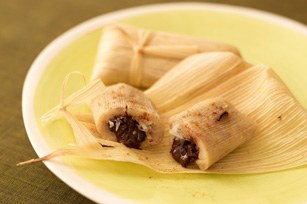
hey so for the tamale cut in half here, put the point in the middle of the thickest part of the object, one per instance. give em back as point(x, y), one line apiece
point(125, 114)
point(139, 57)
point(255, 91)
point(208, 131)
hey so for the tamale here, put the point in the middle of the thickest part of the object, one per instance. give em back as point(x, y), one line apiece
point(125, 114)
point(140, 57)
point(208, 131)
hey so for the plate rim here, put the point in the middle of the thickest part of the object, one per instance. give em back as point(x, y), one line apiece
point(64, 173)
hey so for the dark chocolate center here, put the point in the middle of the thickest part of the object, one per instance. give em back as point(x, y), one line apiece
point(184, 151)
point(128, 132)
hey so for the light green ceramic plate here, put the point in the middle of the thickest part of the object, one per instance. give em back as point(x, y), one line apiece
point(261, 37)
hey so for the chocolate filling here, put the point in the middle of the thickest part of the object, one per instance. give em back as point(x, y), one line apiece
point(184, 151)
point(127, 132)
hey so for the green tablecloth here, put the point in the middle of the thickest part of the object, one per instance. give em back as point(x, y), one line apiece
point(26, 27)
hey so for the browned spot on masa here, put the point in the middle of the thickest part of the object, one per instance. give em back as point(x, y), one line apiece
point(195, 123)
point(144, 116)
point(136, 102)
point(279, 118)
point(128, 153)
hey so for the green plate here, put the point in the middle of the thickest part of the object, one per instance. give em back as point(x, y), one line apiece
point(261, 37)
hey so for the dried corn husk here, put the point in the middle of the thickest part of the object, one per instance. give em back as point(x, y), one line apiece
point(120, 99)
point(194, 76)
point(140, 57)
point(215, 126)
point(82, 134)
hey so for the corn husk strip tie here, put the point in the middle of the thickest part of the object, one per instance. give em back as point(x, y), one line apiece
point(79, 97)
point(82, 134)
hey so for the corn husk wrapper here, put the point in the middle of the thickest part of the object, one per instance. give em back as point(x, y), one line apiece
point(84, 138)
point(120, 99)
point(140, 57)
point(194, 76)
point(256, 92)
point(82, 133)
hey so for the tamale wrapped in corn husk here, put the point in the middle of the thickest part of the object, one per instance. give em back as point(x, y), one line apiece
point(281, 122)
point(123, 109)
point(216, 128)
point(140, 57)
point(257, 92)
